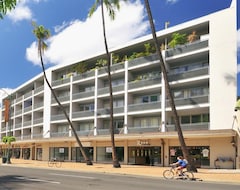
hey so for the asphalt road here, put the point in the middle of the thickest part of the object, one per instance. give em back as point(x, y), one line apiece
point(19, 178)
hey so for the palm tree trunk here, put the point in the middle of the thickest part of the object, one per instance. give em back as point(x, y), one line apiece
point(87, 160)
point(168, 89)
point(116, 163)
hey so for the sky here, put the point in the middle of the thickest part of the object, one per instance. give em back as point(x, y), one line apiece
point(75, 36)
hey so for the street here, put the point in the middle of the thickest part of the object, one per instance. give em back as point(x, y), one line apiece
point(19, 178)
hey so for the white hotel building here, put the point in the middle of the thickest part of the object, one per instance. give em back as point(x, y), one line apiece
point(202, 76)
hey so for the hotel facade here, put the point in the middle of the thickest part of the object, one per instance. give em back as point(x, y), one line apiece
point(202, 76)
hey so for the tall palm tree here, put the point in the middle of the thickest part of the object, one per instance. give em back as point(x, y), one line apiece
point(5, 6)
point(41, 34)
point(110, 5)
point(168, 89)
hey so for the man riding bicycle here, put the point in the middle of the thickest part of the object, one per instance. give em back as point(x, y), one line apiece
point(181, 164)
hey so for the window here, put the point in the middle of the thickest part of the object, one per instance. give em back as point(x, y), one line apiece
point(178, 94)
point(87, 107)
point(185, 119)
point(151, 98)
point(196, 118)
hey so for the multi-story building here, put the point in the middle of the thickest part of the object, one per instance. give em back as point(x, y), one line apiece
point(202, 77)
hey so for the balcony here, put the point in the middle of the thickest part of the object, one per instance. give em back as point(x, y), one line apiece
point(82, 95)
point(81, 114)
point(144, 106)
point(38, 121)
point(84, 76)
point(144, 83)
point(190, 127)
point(142, 60)
point(140, 130)
point(105, 90)
point(188, 74)
point(186, 48)
point(59, 134)
point(60, 82)
point(114, 68)
point(39, 89)
point(61, 99)
point(58, 117)
point(190, 101)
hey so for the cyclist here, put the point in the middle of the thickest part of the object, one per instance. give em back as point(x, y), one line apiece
point(181, 164)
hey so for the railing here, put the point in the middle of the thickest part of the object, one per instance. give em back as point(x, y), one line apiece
point(141, 83)
point(61, 99)
point(38, 105)
point(114, 68)
point(142, 60)
point(82, 95)
point(37, 121)
point(186, 48)
point(84, 75)
point(60, 82)
point(39, 89)
point(105, 90)
point(190, 127)
point(59, 134)
point(80, 114)
point(188, 74)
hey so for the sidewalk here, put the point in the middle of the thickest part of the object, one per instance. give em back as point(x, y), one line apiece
point(219, 175)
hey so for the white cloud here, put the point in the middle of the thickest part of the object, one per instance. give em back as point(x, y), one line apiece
point(172, 1)
point(22, 11)
point(79, 39)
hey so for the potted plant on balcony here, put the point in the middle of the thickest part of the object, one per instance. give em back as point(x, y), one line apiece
point(177, 39)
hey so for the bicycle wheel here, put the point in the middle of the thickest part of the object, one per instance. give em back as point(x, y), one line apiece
point(189, 175)
point(168, 174)
point(50, 163)
point(58, 164)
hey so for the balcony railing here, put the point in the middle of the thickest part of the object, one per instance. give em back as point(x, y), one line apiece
point(190, 127)
point(144, 106)
point(142, 83)
point(188, 74)
point(59, 134)
point(105, 90)
point(82, 95)
point(61, 99)
point(186, 48)
point(84, 75)
point(82, 114)
point(60, 82)
point(142, 60)
point(114, 68)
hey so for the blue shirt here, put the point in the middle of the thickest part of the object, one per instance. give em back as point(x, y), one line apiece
point(182, 163)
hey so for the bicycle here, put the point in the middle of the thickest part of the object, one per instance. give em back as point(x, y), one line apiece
point(171, 173)
point(55, 162)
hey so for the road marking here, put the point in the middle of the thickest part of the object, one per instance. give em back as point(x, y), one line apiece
point(77, 176)
point(38, 180)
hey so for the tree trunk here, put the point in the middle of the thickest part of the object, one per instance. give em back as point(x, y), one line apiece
point(116, 163)
point(168, 89)
point(87, 160)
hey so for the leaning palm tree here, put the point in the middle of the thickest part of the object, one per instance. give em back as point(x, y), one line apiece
point(110, 5)
point(41, 34)
point(5, 6)
point(168, 89)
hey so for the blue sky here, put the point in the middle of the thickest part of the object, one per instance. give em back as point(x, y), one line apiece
point(75, 36)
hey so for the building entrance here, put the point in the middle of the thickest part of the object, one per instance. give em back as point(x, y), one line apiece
point(144, 155)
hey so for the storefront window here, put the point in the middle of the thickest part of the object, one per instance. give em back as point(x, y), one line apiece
point(77, 155)
point(60, 153)
point(105, 154)
point(199, 154)
point(144, 155)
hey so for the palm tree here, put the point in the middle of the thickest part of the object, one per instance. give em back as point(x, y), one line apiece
point(41, 34)
point(8, 140)
point(110, 5)
point(5, 6)
point(168, 89)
